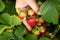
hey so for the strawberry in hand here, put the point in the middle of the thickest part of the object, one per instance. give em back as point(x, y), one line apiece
point(22, 15)
point(32, 21)
point(23, 3)
point(41, 20)
point(30, 12)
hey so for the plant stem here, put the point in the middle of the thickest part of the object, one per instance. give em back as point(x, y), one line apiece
point(1, 31)
point(5, 27)
point(55, 32)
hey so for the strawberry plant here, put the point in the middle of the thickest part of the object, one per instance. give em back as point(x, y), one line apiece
point(16, 24)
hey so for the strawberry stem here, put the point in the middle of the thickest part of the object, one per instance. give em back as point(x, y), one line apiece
point(5, 27)
point(55, 32)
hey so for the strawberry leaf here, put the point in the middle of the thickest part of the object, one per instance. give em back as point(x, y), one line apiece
point(5, 18)
point(2, 6)
point(44, 38)
point(31, 37)
point(6, 36)
point(58, 6)
point(49, 11)
point(58, 36)
point(10, 7)
point(14, 20)
point(20, 31)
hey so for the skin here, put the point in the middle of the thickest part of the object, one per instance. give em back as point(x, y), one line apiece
point(27, 25)
point(22, 4)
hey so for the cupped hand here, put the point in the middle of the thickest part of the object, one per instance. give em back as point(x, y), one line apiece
point(23, 3)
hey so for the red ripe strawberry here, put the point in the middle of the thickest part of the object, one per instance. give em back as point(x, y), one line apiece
point(42, 29)
point(30, 12)
point(22, 15)
point(41, 21)
point(32, 21)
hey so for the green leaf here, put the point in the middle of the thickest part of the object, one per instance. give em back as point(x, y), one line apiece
point(49, 11)
point(20, 31)
point(14, 20)
point(5, 18)
point(58, 6)
point(44, 38)
point(20, 38)
point(2, 6)
point(9, 20)
point(10, 7)
point(6, 36)
point(58, 1)
point(58, 36)
point(31, 37)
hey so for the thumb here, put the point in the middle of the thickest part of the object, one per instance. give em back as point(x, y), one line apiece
point(27, 25)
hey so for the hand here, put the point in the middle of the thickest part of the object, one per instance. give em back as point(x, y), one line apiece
point(23, 3)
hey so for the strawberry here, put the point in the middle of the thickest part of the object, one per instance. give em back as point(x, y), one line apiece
point(18, 10)
point(22, 15)
point(42, 29)
point(32, 21)
point(36, 32)
point(41, 21)
point(30, 12)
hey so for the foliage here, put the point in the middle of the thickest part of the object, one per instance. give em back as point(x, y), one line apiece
point(50, 10)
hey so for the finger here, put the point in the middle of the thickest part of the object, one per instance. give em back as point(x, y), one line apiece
point(33, 5)
point(22, 8)
point(20, 4)
point(27, 25)
point(38, 12)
